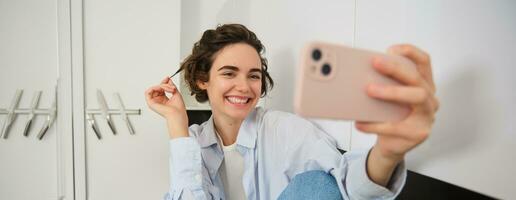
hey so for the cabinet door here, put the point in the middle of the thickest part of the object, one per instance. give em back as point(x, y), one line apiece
point(128, 47)
point(34, 37)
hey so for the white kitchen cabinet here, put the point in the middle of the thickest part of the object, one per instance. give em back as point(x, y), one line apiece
point(127, 46)
point(33, 56)
point(77, 47)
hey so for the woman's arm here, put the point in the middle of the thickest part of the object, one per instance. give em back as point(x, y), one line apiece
point(188, 176)
point(395, 139)
point(379, 168)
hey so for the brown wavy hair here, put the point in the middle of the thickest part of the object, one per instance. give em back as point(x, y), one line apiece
point(197, 65)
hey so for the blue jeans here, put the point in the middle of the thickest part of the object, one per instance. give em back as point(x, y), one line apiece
point(312, 185)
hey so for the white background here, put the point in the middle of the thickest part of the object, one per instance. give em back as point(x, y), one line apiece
point(126, 46)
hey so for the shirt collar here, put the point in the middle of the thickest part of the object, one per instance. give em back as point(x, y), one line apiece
point(208, 137)
point(246, 134)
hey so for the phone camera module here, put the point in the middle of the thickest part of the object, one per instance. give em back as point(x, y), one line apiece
point(326, 69)
point(316, 54)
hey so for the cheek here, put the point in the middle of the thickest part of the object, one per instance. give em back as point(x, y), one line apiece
point(257, 88)
point(220, 86)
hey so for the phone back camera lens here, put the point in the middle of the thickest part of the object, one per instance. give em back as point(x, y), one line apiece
point(316, 54)
point(326, 69)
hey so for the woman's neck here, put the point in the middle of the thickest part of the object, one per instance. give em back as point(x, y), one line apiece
point(227, 128)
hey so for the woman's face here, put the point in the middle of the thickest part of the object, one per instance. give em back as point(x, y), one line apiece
point(235, 82)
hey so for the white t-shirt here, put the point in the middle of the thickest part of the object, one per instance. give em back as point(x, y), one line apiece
point(231, 172)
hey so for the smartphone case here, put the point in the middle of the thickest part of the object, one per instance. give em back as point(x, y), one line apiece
point(341, 94)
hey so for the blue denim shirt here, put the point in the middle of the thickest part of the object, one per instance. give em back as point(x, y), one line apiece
point(276, 146)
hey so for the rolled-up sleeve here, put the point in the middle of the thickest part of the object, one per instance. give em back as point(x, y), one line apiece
point(185, 170)
point(360, 186)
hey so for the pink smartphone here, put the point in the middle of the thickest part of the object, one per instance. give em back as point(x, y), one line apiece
point(332, 81)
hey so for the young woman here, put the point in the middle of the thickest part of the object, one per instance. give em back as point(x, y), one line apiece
point(247, 152)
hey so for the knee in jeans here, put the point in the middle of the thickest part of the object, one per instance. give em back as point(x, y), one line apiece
point(312, 185)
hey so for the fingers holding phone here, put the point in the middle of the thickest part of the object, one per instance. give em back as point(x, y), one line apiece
point(417, 91)
point(416, 73)
point(391, 95)
point(410, 95)
point(419, 57)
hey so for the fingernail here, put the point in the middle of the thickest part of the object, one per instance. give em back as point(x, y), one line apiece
point(377, 62)
point(359, 126)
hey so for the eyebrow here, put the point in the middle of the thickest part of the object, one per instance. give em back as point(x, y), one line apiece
point(230, 67)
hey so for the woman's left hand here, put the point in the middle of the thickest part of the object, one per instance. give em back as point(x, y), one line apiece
point(395, 139)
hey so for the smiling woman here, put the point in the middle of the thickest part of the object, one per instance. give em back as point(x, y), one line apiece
point(247, 152)
point(234, 84)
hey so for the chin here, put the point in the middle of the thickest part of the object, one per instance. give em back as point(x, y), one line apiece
point(240, 113)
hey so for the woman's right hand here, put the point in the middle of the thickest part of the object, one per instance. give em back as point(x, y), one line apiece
point(172, 109)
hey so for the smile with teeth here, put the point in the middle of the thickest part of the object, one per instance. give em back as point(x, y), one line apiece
point(238, 100)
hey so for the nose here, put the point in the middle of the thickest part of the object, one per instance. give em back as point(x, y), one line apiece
point(242, 85)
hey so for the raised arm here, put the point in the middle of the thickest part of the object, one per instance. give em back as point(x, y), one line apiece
point(395, 139)
point(188, 176)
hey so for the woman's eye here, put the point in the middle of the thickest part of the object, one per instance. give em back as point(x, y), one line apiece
point(227, 74)
point(255, 77)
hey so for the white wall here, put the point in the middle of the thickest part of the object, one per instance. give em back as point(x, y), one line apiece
point(471, 44)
